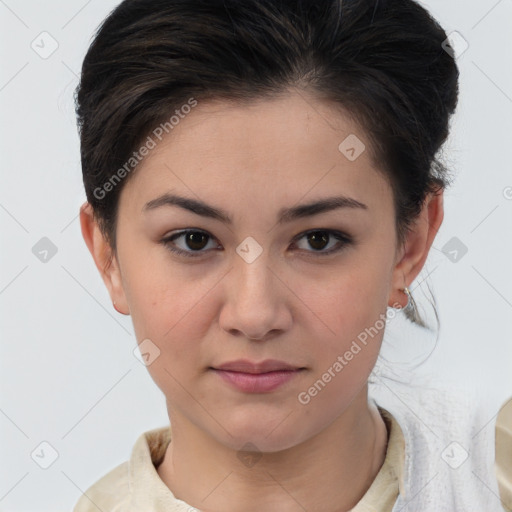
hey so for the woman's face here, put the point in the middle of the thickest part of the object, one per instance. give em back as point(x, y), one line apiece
point(258, 287)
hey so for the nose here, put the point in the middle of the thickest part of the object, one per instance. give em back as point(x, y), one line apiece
point(256, 304)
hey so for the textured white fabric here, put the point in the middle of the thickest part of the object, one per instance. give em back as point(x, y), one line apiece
point(450, 444)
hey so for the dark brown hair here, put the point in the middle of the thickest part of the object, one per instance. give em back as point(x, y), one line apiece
point(381, 61)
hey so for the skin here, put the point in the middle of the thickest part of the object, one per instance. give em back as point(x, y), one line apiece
point(289, 304)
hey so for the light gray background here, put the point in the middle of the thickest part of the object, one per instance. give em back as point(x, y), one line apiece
point(67, 369)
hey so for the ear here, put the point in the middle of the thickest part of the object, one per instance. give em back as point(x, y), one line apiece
point(413, 254)
point(104, 258)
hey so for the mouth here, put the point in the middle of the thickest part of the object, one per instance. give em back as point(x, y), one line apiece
point(266, 366)
point(258, 382)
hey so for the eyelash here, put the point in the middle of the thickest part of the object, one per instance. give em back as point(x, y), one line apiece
point(339, 236)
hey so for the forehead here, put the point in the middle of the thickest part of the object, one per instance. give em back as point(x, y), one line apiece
point(281, 149)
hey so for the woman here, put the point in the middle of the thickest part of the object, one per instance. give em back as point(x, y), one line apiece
point(262, 186)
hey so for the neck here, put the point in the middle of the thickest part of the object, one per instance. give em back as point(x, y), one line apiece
point(329, 472)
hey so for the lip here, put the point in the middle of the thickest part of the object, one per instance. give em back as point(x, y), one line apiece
point(257, 382)
point(263, 377)
point(246, 366)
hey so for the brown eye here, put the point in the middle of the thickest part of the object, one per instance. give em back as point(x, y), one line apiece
point(319, 239)
point(196, 240)
point(192, 243)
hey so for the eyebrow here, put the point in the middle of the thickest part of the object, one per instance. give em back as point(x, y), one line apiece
point(285, 214)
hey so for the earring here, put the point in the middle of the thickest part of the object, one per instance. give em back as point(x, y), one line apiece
point(409, 297)
point(411, 310)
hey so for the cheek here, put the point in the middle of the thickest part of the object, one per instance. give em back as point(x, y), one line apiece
point(352, 302)
point(172, 308)
point(168, 317)
point(354, 310)
point(354, 307)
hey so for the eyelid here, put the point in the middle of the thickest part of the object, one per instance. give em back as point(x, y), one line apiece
point(344, 238)
point(168, 240)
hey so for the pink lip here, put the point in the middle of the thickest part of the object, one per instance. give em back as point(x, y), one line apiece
point(246, 366)
point(257, 382)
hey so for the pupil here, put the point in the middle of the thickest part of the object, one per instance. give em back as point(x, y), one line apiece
point(192, 240)
point(322, 239)
point(317, 240)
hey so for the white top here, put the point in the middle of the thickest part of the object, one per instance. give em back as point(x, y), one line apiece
point(135, 486)
point(450, 439)
point(440, 458)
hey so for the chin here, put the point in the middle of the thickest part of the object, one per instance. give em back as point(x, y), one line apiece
point(271, 435)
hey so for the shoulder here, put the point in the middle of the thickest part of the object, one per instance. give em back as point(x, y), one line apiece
point(504, 420)
point(134, 480)
point(448, 433)
point(110, 491)
point(504, 453)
